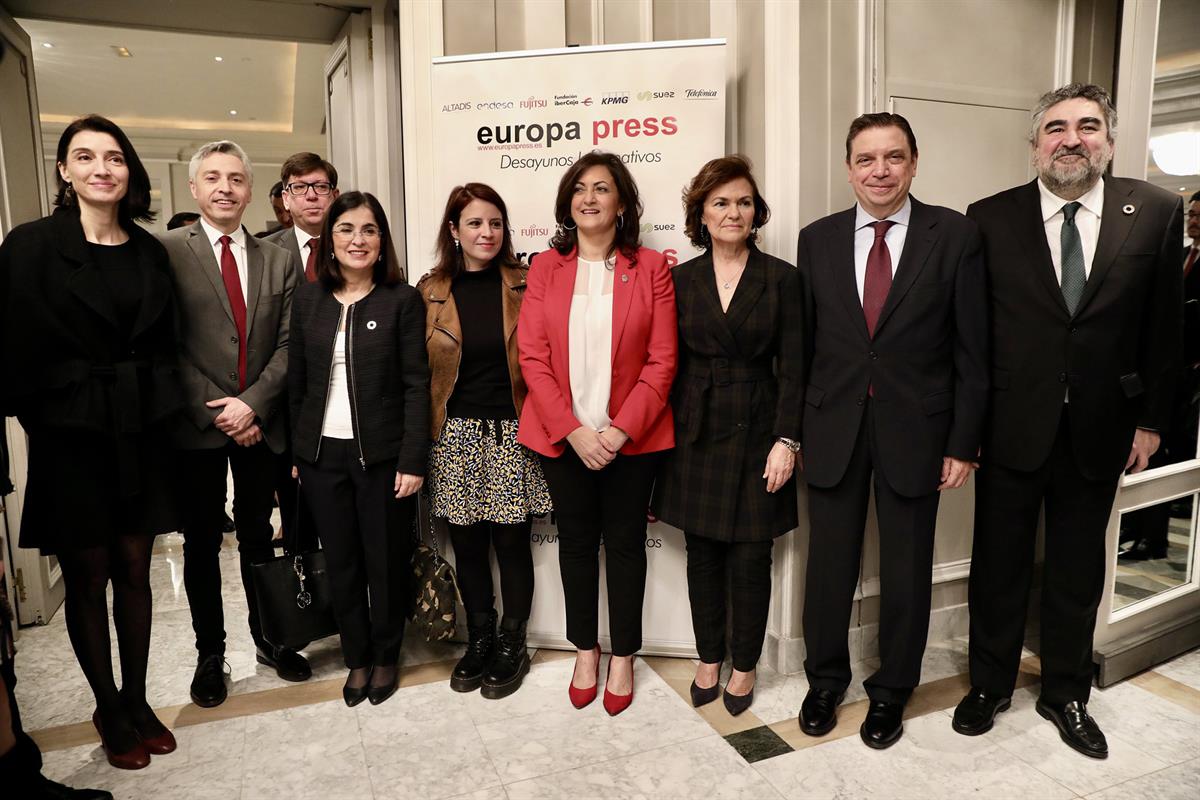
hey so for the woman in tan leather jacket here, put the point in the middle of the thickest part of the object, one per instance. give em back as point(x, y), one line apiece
point(481, 481)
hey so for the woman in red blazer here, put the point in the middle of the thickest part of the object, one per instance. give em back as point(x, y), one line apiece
point(597, 342)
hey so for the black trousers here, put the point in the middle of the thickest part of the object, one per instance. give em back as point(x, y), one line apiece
point(367, 537)
point(837, 518)
point(743, 570)
point(204, 475)
point(608, 505)
point(1007, 503)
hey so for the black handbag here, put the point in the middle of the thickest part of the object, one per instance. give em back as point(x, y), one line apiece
point(293, 590)
point(435, 605)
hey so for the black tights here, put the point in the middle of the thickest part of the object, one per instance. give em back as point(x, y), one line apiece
point(86, 573)
point(474, 567)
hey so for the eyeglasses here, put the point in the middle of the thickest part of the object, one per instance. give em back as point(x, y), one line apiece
point(349, 232)
point(297, 189)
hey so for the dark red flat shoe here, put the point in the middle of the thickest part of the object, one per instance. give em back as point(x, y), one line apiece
point(582, 697)
point(159, 745)
point(135, 758)
point(616, 703)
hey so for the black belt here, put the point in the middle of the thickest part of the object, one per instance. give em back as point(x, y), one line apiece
point(722, 371)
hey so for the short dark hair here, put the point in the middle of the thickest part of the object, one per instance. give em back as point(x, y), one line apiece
point(629, 234)
point(449, 257)
point(135, 205)
point(1073, 91)
point(1194, 198)
point(302, 164)
point(712, 175)
point(883, 119)
point(276, 190)
point(387, 269)
point(182, 220)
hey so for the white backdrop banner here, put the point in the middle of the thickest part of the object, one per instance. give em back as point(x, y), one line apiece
point(517, 121)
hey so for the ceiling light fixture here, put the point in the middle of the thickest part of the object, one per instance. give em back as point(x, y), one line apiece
point(1177, 153)
point(218, 58)
point(48, 45)
point(233, 112)
point(122, 52)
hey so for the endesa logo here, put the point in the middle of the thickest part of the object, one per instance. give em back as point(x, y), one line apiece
point(452, 107)
point(644, 96)
point(615, 99)
point(603, 129)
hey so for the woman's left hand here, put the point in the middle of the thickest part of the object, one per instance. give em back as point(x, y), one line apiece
point(780, 463)
point(407, 484)
point(613, 439)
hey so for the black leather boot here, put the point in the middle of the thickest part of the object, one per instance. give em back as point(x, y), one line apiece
point(20, 773)
point(481, 641)
point(509, 663)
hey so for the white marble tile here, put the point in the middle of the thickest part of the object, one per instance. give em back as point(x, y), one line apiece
point(491, 793)
point(308, 751)
point(1157, 726)
point(1034, 740)
point(708, 768)
point(423, 743)
point(1179, 782)
point(207, 764)
point(558, 737)
point(1183, 668)
point(930, 761)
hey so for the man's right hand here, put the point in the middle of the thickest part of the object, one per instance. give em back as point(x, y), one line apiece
point(249, 437)
point(591, 450)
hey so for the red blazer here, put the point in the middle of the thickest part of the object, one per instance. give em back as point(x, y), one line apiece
point(644, 353)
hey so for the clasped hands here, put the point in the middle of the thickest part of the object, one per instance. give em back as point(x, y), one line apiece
point(597, 449)
point(236, 421)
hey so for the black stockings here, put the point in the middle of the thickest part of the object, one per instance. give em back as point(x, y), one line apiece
point(474, 567)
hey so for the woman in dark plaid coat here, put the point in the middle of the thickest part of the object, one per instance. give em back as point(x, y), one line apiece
point(729, 482)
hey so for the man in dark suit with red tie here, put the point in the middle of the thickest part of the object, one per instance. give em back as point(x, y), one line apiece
point(896, 313)
point(234, 298)
point(1084, 285)
point(309, 185)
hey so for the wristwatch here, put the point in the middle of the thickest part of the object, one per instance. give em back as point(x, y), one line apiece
point(790, 444)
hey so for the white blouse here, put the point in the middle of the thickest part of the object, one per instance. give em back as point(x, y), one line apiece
point(338, 423)
point(589, 337)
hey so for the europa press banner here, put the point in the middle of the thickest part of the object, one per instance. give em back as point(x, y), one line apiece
point(516, 121)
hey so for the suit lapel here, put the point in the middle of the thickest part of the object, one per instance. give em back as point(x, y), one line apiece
point(841, 256)
point(624, 280)
point(558, 300)
point(1031, 233)
point(84, 280)
point(207, 264)
point(704, 284)
point(254, 277)
point(745, 296)
point(1115, 226)
point(918, 244)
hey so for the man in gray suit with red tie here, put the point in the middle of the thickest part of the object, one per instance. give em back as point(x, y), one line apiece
point(234, 296)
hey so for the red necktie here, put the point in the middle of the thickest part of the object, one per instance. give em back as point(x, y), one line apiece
point(878, 279)
point(1191, 259)
point(237, 304)
point(310, 267)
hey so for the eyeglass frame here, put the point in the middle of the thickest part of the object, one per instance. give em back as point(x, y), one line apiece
point(291, 188)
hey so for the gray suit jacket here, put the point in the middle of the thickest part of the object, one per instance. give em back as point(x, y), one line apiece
point(208, 345)
point(286, 238)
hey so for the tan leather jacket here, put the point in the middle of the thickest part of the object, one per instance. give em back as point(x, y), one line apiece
point(443, 338)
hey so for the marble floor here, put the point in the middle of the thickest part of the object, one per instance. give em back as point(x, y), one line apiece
point(277, 740)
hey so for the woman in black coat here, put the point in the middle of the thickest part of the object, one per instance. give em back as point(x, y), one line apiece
point(358, 392)
point(728, 483)
point(87, 328)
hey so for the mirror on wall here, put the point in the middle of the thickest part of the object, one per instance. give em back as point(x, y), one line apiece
point(1156, 550)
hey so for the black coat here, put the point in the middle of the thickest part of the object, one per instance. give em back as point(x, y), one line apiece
point(1117, 354)
point(386, 365)
point(927, 363)
point(739, 387)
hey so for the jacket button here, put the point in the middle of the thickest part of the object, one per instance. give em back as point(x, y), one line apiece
point(1073, 329)
point(233, 340)
point(860, 401)
point(873, 355)
point(233, 376)
point(1062, 377)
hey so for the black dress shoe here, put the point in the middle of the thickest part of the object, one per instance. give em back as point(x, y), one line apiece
point(701, 697)
point(818, 712)
point(977, 711)
point(883, 726)
point(737, 703)
point(42, 788)
point(287, 663)
point(353, 696)
point(481, 641)
point(1144, 550)
point(208, 683)
point(377, 694)
point(1076, 727)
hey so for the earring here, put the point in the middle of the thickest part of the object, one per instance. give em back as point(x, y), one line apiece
point(563, 226)
point(457, 244)
point(620, 221)
point(69, 192)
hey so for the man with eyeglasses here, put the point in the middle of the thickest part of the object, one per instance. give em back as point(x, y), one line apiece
point(309, 188)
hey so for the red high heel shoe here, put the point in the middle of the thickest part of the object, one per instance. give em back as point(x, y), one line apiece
point(616, 703)
point(581, 697)
point(158, 745)
point(135, 758)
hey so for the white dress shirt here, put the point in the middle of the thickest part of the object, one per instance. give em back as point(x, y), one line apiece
point(589, 343)
point(302, 240)
point(864, 239)
point(237, 246)
point(1087, 220)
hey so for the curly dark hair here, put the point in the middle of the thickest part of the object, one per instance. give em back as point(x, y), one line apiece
point(712, 175)
point(449, 258)
point(629, 234)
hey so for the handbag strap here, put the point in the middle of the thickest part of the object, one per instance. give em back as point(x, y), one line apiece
point(291, 533)
point(424, 508)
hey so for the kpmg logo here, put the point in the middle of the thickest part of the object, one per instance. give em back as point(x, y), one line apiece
point(700, 94)
point(645, 96)
point(615, 99)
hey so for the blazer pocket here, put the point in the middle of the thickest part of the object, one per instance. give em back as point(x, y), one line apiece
point(814, 396)
point(1131, 385)
point(938, 402)
point(1000, 378)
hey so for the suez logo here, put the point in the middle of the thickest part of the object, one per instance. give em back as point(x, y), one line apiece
point(643, 96)
point(551, 132)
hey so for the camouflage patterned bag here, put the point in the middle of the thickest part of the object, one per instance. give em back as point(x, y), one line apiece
point(436, 601)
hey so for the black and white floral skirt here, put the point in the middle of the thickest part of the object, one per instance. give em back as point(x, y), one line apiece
point(477, 473)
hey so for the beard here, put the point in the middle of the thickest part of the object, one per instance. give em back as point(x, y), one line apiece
point(1073, 178)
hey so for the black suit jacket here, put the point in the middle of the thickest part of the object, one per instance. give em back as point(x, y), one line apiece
point(286, 238)
point(1117, 354)
point(927, 363)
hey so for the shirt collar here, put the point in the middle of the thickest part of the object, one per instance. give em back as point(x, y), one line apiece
point(301, 239)
point(862, 219)
point(214, 235)
point(1092, 200)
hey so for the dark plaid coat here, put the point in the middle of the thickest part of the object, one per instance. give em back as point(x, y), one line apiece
point(739, 387)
